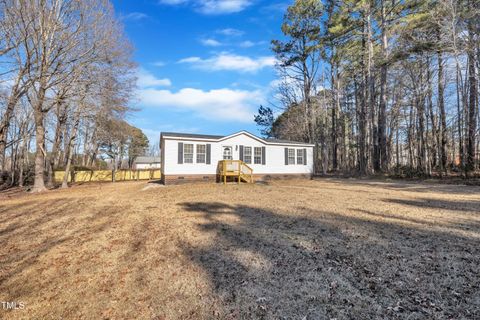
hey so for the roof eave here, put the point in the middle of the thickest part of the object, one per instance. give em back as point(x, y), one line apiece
point(173, 137)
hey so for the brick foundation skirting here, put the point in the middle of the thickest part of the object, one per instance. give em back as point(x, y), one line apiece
point(188, 178)
point(198, 178)
point(280, 176)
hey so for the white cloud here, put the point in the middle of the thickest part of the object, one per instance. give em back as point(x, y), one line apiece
point(230, 32)
point(159, 63)
point(277, 7)
point(247, 44)
point(212, 6)
point(214, 105)
point(135, 16)
point(147, 80)
point(172, 2)
point(211, 42)
point(190, 60)
point(230, 62)
point(222, 6)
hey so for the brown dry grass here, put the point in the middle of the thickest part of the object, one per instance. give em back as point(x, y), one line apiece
point(345, 249)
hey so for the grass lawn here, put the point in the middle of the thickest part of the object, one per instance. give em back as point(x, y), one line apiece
point(345, 249)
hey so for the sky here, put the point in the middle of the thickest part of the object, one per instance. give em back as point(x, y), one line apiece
point(204, 66)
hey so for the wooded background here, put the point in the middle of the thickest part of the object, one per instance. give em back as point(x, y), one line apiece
point(380, 86)
point(66, 80)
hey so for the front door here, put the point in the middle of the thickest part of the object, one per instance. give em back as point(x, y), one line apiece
point(227, 153)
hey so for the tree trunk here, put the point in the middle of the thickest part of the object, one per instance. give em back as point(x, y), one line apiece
point(382, 119)
point(363, 93)
point(443, 115)
point(70, 149)
point(371, 94)
point(52, 161)
point(397, 146)
point(324, 158)
point(433, 119)
point(335, 96)
point(23, 155)
point(410, 134)
point(421, 136)
point(39, 183)
point(472, 98)
point(461, 148)
point(114, 171)
point(472, 104)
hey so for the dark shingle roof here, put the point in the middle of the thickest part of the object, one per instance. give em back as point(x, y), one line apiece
point(191, 135)
point(217, 137)
point(284, 141)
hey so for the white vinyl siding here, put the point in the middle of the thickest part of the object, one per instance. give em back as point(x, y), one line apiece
point(291, 156)
point(300, 159)
point(257, 155)
point(201, 153)
point(274, 154)
point(188, 153)
point(247, 154)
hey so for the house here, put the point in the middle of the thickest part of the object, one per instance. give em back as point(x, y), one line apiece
point(142, 163)
point(198, 157)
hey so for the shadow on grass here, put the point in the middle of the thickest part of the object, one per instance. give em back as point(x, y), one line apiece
point(412, 186)
point(465, 205)
point(265, 264)
point(156, 181)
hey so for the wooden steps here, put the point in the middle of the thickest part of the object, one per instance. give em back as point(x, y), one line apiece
point(237, 169)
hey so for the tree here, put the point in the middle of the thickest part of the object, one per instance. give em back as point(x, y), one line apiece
point(69, 56)
point(472, 54)
point(137, 144)
point(402, 92)
point(11, 38)
point(299, 57)
point(264, 119)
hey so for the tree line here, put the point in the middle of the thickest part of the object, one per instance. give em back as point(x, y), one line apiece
point(66, 78)
point(380, 86)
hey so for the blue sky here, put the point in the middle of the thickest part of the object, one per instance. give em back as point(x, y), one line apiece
point(204, 66)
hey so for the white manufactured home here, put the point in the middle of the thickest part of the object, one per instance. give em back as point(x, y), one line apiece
point(241, 156)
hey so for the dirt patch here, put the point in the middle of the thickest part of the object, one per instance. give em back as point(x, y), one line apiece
point(295, 250)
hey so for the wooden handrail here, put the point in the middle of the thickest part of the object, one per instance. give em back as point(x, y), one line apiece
point(238, 168)
point(247, 166)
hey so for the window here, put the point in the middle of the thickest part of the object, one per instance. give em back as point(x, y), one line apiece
point(227, 153)
point(291, 156)
point(300, 156)
point(188, 153)
point(257, 155)
point(247, 154)
point(201, 153)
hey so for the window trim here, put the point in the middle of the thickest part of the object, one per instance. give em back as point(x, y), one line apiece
point(259, 156)
point(301, 156)
point(291, 157)
point(185, 153)
point(204, 153)
point(247, 155)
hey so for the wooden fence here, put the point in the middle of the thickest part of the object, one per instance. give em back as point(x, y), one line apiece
point(106, 175)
